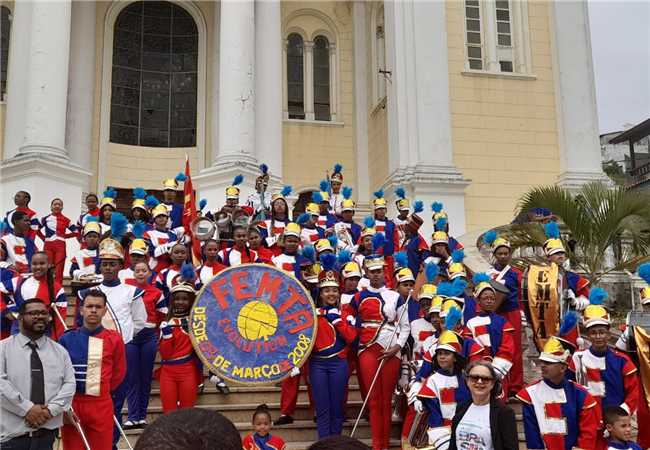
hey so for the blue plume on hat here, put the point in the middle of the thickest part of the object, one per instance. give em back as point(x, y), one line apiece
point(338, 168)
point(378, 241)
point(444, 289)
point(187, 272)
point(309, 252)
point(569, 322)
point(347, 192)
point(400, 192)
point(440, 224)
point(264, 168)
point(151, 202)
point(303, 219)
point(334, 241)
point(454, 315)
point(369, 222)
point(597, 296)
point(552, 230)
point(436, 207)
point(458, 287)
point(3, 227)
point(180, 177)
point(418, 206)
point(480, 277)
point(92, 219)
point(401, 260)
point(238, 180)
point(139, 193)
point(317, 197)
point(644, 272)
point(202, 204)
point(327, 261)
point(431, 271)
point(324, 185)
point(378, 193)
point(458, 256)
point(286, 190)
point(110, 192)
point(344, 257)
point(138, 228)
point(490, 237)
point(118, 225)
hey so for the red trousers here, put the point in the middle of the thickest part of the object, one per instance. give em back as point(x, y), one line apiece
point(642, 418)
point(379, 399)
point(178, 385)
point(290, 389)
point(96, 419)
point(408, 421)
point(56, 255)
point(515, 381)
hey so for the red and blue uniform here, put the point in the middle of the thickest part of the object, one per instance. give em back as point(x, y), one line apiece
point(290, 263)
point(55, 229)
point(20, 289)
point(326, 221)
point(33, 221)
point(471, 351)
point(143, 355)
point(233, 257)
point(510, 310)
point(85, 262)
point(310, 234)
point(99, 362)
point(559, 417)
point(208, 270)
point(270, 231)
point(417, 251)
point(160, 244)
point(18, 252)
point(328, 369)
point(354, 229)
point(175, 211)
point(180, 370)
point(256, 442)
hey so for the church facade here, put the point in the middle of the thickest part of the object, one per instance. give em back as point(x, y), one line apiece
point(465, 102)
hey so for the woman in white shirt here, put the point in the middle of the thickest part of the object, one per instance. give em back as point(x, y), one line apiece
point(484, 423)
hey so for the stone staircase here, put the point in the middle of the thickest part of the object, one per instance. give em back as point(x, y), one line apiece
point(240, 404)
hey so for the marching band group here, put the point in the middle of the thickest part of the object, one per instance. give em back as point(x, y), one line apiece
point(402, 312)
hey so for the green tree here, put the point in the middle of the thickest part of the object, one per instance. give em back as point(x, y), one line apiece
point(592, 220)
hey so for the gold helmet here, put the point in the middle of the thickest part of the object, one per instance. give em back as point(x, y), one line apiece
point(292, 229)
point(554, 352)
point(379, 201)
point(596, 313)
point(110, 248)
point(232, 191)
point(450, 341)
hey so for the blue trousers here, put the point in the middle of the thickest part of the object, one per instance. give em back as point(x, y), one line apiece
point(141, 363)
point(119, 394)
point(329, 378)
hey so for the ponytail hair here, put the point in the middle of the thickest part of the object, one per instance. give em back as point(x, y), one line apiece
point(262, 409)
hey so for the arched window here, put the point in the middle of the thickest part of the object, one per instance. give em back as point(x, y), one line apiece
point(154, 84)
point(295, 77)
point(5, 31)
point(321, 78)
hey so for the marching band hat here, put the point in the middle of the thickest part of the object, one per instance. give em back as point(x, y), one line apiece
point(171, 184)
point(450, 341)
point(110, 248)
point(138, 245)
point(436, 304)
point(312, 209)
point(337, 174)
point(351, 270)
point(323, 245)
point(481, 282)
point(292, 229)
point(183, 286)
point(569, 333)
point(284, 192)
point(322, 196)
point(644, 273)
point(108, 198)
point(554, 352)
point(379, 201)
point(403, 275)
point(264, 175)
point(447, 305)
point(402, 203)
point(347, 204)
point(438, 212)
point(596, 313)
point(368, 227)
point(139, 195)
point(439, 237)
point(92, 226)
point(429, 290)
point(414, 220)
point(494, 241)
point(457, 268)
point(328, 276)
point(553, 242)
point(232, 191)
point(159, 210)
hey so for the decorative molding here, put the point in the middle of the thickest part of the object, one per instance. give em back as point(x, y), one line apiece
point(504, 75)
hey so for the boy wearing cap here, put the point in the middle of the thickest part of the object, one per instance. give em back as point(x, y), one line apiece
point(559, 414)
point(85, 263)
point(17, 248)
point(321, 198)
point(161, 239)
point(610, 376)
point(174, 210)
point(336, 181)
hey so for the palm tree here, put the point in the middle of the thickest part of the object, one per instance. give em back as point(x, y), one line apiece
point(593, 220)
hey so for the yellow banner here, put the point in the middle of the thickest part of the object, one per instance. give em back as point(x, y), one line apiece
point(642, 340)
point(543, 302)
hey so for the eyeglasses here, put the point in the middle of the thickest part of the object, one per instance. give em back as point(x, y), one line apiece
point(477, 378)
point(36, 313)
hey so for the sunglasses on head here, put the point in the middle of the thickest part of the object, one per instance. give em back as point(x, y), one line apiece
point(477, 378)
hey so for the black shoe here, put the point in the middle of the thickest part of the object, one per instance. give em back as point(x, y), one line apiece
point(284, 420)
point(130, 425)
point(223, 388)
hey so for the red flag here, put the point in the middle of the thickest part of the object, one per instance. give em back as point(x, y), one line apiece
point(189, 212)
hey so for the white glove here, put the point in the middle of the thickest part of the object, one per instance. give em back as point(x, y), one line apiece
point(271, 240)
point(294, 372)
point(413, 392)
point(351, 320)
point(419, 407)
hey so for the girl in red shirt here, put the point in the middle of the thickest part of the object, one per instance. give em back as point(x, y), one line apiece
point(54, 229)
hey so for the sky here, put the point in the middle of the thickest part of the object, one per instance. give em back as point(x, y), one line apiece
point(620, 42)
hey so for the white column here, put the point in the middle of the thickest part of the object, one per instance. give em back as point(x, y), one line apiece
point(237, 82)
point(214, 102)
point(420, 147)
point(16, 78)
point(361, 101)
point(47, 89)
point(489, 22)
point(575, 94)
point(285, 93)
point(333, 82)
point(308, 70)
point(268, 84)
point(81, 86)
